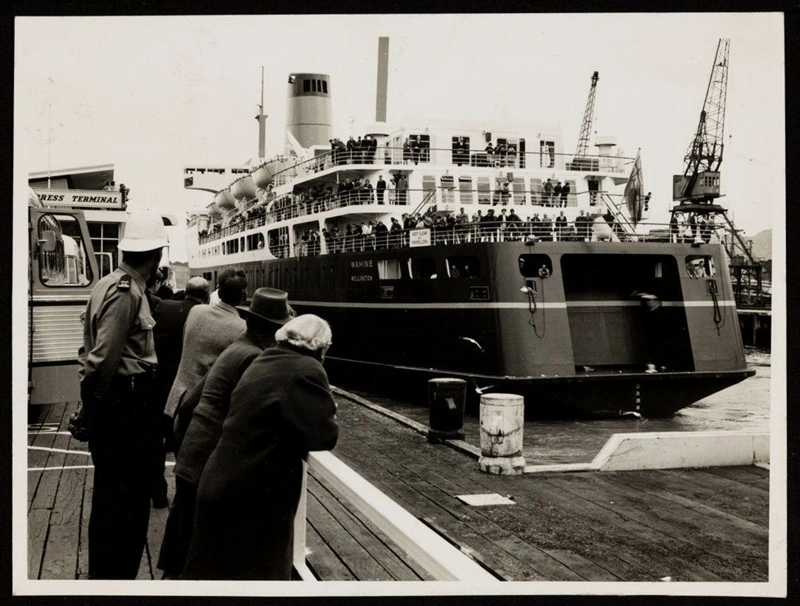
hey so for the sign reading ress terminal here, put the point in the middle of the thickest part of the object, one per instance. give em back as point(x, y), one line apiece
point(81, 198)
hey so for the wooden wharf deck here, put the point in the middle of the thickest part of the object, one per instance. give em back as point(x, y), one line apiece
point(689, 524)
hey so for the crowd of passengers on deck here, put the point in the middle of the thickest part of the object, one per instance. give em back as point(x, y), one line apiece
point(460, 228)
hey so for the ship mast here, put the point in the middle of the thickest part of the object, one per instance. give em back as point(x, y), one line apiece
point(261, 117)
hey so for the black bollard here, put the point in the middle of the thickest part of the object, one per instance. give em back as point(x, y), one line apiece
point(446, 399)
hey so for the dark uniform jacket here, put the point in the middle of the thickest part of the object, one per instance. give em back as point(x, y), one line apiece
point(281, 409)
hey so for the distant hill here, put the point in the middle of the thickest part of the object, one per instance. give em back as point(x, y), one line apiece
point(762, 244)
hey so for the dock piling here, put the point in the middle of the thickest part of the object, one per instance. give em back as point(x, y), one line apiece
point(446, 398)
point(501, 419)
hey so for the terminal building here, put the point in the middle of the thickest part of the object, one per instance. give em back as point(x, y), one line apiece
point(103, 201)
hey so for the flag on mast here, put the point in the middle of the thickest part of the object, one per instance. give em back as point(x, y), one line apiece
point(633, 191)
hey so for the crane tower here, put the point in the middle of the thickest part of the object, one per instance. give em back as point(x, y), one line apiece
point(586, 127)
point(700, 181)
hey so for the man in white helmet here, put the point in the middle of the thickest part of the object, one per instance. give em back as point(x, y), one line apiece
point(117, 367)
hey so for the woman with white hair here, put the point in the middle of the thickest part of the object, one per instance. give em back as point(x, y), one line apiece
point(247, 497)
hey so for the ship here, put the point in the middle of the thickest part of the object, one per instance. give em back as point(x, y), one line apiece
point(455, 266)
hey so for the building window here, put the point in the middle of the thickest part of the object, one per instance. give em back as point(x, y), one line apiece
point(535, 266)
point(325, 86)
point(306, 86)
point(536, 192)
point(388, 269)
point(422, 268)
point(463, 267)
point(484, 191)
point(460, 150)
point(519, 190)
point(547, 154)
point(465, 189)
point(448, 190)
point(105, 238)
point(700, 266)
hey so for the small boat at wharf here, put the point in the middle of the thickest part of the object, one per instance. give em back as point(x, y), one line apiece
point(556, 311)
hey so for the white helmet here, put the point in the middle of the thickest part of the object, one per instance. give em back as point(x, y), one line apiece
point(143, 231)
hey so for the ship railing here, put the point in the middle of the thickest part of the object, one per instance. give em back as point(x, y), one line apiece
point(485, 231)
point(389, 156)
point(444, 202)
point(498, 230)
point(443, 199)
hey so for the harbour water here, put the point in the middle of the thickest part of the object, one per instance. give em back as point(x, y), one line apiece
point(742, 407)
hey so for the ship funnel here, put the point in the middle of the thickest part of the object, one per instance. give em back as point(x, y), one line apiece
point(308, 111)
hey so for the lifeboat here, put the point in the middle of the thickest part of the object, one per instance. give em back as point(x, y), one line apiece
point(213, 211)
point(225, 200)
point(244, 188)
point(264, 174)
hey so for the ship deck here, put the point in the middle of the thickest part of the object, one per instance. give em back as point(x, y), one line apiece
point(688, 525)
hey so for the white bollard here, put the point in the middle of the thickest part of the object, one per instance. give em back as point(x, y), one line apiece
point(502, 418)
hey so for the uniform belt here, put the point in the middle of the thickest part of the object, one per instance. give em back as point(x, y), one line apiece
point(135, 383)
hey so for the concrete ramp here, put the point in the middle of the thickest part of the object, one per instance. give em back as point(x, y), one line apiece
point(672, 450)
point(665, 450)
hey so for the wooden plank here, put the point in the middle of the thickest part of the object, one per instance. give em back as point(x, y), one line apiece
point(48, 486)
point(323, 560)
point(582, 566)
point(458, 532)
point(662, 540)
point(526, 520)
point(83, 536)
point(549, 518)
point(501, 574)
point(751, 476)
point(743, 501)
point(756, 535)
point(37, 533)
point(618, 539)
point(480, 521)
point(488, 481)
point(375, 542)
point(669, 512)
point(363, 566)
point(551, 567)
point(44, 439)
point(527, 562)
point(61, 550)
point(405, 529)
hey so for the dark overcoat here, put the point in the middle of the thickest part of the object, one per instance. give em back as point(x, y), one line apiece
point(281, 409)
point(170, 317)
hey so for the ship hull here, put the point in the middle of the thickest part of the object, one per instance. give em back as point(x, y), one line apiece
point(638, 395)
point(569, 340)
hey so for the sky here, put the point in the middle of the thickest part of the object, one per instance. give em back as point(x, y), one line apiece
point(152, 95)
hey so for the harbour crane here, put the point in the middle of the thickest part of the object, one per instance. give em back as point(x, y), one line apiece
point(699, 182)
point(699, 185)
point(580, 159)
